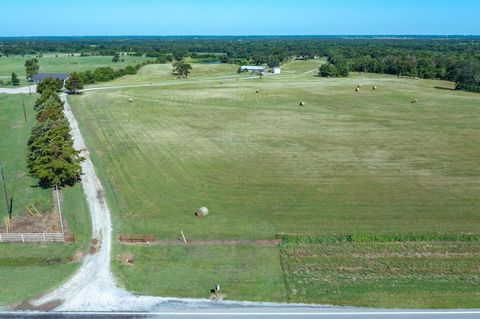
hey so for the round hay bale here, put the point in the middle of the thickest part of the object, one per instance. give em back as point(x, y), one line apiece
point(302, 103)
point(221, 82)
point(258, 91)
point(201, 212)
point(414, 101)
point(130, 99)
point(374, 88)
point(357, 90)
point(359, 86)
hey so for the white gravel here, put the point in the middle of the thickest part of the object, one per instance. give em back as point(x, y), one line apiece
point(22, 89)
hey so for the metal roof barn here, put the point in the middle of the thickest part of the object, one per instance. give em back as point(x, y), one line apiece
point(252, 68)
point(41, 76)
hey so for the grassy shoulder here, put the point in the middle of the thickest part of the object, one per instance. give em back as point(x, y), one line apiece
point(15, 132)
point(395, 274)
point(243, 272)
point(28, 270)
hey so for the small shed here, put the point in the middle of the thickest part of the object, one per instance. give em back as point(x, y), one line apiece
point(276, 70)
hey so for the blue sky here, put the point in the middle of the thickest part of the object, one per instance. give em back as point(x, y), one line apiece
point(240, 17)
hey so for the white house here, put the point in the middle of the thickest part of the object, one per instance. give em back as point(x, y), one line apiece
point(276, 70)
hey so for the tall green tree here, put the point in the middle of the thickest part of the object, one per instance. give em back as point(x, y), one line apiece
point(181, 68)
point(15, 80)
point(466, 75)
point(328, 70)
point(74, 83)
point(49, 84)
point(31, 68)
point(52, 159)
point(116, 58)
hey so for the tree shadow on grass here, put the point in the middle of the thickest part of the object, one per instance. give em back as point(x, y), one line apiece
point(444, 88)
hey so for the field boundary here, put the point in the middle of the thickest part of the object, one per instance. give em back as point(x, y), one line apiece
point(37, 238)
point(141, 240)
point(377, 238)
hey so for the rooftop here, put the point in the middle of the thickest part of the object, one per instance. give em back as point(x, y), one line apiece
point(42, 76)
point(252, 67)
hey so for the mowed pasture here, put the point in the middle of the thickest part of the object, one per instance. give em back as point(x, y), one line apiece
point(28, 270)
point(347, 162)
point(13, 153)
point(63, 63)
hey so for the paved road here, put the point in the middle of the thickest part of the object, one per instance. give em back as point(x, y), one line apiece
point(262, 313)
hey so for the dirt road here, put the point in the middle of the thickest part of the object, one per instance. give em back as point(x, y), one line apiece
point(19, 90)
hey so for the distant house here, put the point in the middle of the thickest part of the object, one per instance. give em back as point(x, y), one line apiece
point(41, 76)
point(276, 70)
point(252, 68)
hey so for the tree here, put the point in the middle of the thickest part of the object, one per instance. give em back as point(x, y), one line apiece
point(180, 54)
point(116, 58)
point(15, 80)
point(31, 68)
point(52, 159)
point(466, 75)
point(44, 97)
point(74, 83)
point(327, 70)
point(49, 84)
point(181, 68)
point(103, 74)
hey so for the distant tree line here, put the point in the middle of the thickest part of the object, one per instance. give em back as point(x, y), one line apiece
point(433, 57)
point(104, 74)
point(52, 159)
point(461, 68)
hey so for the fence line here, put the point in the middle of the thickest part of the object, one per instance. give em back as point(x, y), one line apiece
point(36, 237)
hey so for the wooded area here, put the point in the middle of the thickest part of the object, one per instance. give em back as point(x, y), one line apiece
point(432, 57)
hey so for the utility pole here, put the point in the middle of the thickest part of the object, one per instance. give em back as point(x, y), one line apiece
point(59, 205)
point(7, 202)
point(29, 89)
point(24, 112)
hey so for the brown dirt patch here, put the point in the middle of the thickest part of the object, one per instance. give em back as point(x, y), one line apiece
point(27, 305)
point(77, 257)
point(217, 297)
point(48, 223)
point(219, 242)
point(127, 259)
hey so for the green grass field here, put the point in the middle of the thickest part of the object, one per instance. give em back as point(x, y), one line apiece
point(13, 145)
point(62, 64)
point(244, 272)
point(347, 162)
point(28, 270)
point(387, 275)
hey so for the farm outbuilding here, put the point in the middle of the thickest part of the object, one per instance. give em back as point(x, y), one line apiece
point(41, 76)
point(276, 70)
point(252, 68)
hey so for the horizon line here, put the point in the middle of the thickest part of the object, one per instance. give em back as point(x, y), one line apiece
point(241, 35)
